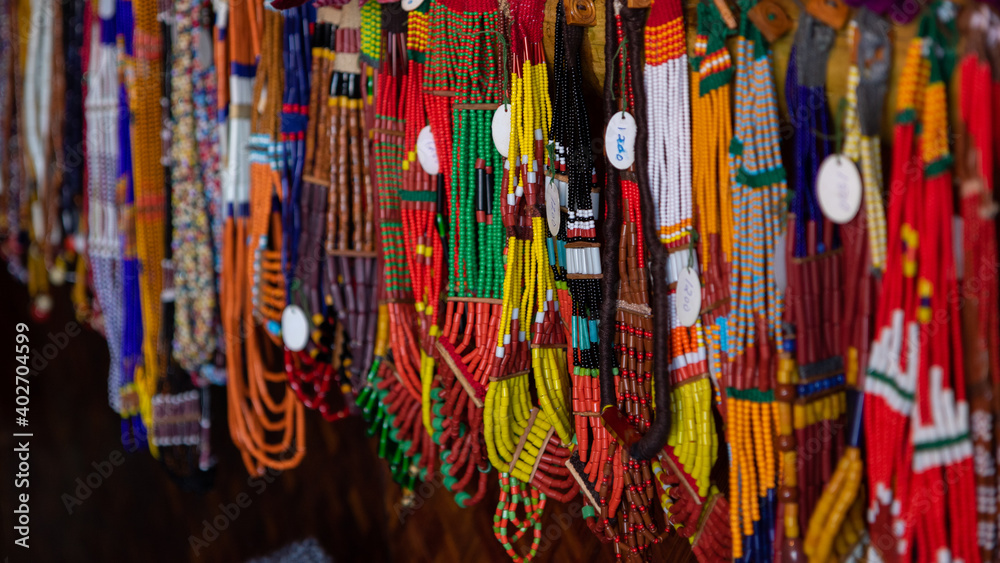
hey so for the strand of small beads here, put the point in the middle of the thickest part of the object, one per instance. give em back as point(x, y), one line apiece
point(145, 90)
point(940, 434)
point(980, 327)
point(711, 118)
point(579, 260)
point(103, 246)
point(423, 248)
point(753, 331)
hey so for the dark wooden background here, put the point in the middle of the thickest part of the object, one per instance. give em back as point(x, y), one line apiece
point(342, 493)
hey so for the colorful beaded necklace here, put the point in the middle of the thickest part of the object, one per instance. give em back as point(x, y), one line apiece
point(474, 237)
point(752, 331)
point(104, 239)
point(192, 260)
point(528, 443)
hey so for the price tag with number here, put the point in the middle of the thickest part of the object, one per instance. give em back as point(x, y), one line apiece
point(619, 140)
point(688, 297)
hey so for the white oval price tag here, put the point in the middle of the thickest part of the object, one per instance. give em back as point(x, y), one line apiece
point(427, 151)
point(294, 328)
point(688, 297)
point(410, 5)
point(552, 211)
point(501, 129)
point(838, 188)
point(619, 140)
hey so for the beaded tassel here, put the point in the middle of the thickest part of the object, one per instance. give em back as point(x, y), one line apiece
point(133, 426)
point(474, 239)
point(711, 118)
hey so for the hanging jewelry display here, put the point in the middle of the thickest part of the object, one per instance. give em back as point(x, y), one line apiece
point(916, 380)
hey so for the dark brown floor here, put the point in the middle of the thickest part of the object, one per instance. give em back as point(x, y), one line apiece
point(341, 494)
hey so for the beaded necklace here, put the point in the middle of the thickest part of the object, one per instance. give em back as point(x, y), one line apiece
point(472, 235)
point(666, 80)
point(758, 183)
point(528, 444)
point(626, 353)
point(103, 250)
point(811, 373)
point(192, 236)
point(262, 422)
point(975, 165)
point(838, 514)
point(144, 89)
point(711, 117)
point(394, 382)
point(133, 426)
point(311, 371)
point(912, 397)
point(579, 256)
